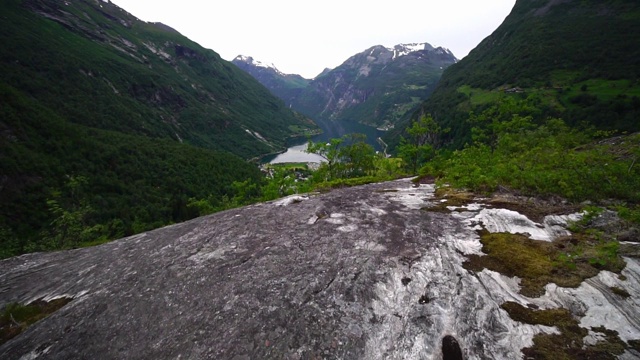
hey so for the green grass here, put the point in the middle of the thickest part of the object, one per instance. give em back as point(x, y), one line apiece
point(479, 96)
point(604, 89)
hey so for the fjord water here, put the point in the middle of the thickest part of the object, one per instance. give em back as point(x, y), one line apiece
point(330, 129)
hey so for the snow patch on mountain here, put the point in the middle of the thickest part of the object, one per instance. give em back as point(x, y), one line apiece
point(406, 49)
point(250, 60)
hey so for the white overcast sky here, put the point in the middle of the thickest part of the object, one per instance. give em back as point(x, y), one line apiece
point(304, 37)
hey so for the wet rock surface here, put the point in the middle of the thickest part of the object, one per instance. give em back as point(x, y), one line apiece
point(357, 273)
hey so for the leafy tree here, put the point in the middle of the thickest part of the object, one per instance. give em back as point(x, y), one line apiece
point(508, 116)
point(70, 225)
point(346, 157)
point(245, 192)
point(550, 159)
point(357, 156)
point(423, 139)
point(330, 151)
point(284, 180)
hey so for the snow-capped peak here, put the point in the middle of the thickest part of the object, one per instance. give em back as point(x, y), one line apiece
point(250, 60)
point(406, 49)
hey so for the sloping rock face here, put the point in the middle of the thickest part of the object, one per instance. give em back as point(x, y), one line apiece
point(358, 273)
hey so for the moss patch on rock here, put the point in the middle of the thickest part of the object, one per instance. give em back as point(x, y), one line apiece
point(566, 261)
point(634, 344)
point(453, 197)
point(569, 343)
point(15, 318)
point(620, 292)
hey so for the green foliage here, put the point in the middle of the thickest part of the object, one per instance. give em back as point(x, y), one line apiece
point(422, 143)
point(70, 224)
point(537, 54)
point(502, 120)
point(631, 214)
point(550, 159)
point(285, 180)
point(340, 183)
point(589, 213)
point(201, 207)
point(387, 168)
point(346, 157)
point(67, 185)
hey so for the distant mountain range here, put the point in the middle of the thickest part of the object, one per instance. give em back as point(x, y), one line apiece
point(377, 86)
point(285, 86)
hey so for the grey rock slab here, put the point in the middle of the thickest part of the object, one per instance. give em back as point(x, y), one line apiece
point(357, 273)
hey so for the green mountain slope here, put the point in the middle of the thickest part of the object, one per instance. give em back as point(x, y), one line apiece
point(578, 60)
point(110, 125)
point(106, 184)
point(91, 57)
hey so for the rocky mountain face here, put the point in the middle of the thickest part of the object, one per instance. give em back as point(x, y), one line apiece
point(577, 60)
point(376, 87)
point(356, 273)
point(285, 86)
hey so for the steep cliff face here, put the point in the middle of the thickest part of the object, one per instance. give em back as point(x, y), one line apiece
point(378, 86)
point(357, 273)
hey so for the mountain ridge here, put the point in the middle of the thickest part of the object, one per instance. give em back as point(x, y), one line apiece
point(377, 86)
point(285, 86)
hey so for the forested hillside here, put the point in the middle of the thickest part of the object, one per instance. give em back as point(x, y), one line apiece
point(94, 64)
point(109, 125)
point(578, 60)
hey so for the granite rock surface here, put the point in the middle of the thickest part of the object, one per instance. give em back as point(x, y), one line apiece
point(356, 273)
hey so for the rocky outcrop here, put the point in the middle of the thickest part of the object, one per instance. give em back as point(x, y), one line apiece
point(357, 273)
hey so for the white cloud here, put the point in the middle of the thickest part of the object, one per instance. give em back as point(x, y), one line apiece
point(304, 37)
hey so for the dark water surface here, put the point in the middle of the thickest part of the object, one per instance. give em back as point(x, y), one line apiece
point(331, 129)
